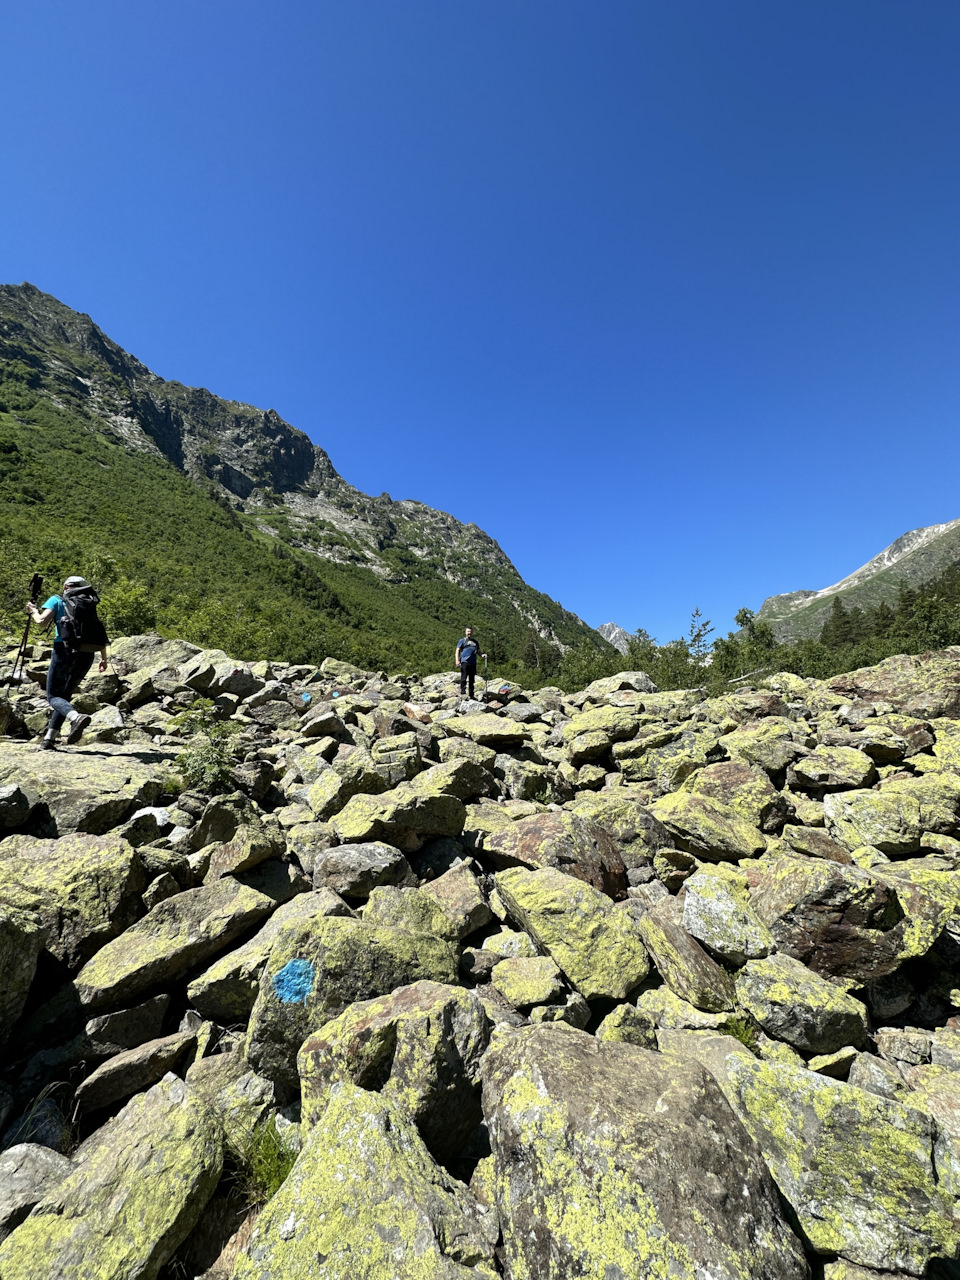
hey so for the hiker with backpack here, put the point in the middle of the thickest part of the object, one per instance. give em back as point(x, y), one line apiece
point(466, 659)
point(79, 636)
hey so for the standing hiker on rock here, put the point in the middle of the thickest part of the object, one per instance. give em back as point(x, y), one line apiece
point(78, 637)
point(466, 659)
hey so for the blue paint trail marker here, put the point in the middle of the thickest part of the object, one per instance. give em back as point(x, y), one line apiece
point(294, 982)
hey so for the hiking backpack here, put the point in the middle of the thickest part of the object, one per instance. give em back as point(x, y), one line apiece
point(80, 628)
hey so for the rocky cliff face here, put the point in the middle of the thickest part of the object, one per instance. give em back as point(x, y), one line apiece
point(258, 462)
point(914, 558)
point(619, 983)
point(616, 636)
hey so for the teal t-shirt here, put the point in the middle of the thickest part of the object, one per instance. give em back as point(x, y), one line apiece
point(59, 608)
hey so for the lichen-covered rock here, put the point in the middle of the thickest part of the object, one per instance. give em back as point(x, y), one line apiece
point(628, 1025)
point(249, 846)
point(925, 685)
point(893, 818)
point(365, 1199)
point(834, 769)
point(855, 1168)
point(489, 731)
point(83, 790)
point(840, 921)
point(746, 789)
point(28, 1172)
point(83, 889)
point(682, 963)
point(420, 1047)
point(527, 980)
point(707, 828)
point(132, 1071)
point(610, 1160)
point(797, 1006)
point(815, 843)
point(717, 912)
point(317, 967)
point(627, 819)
point(178, 934)
point(936, 1091)
point(772, 744)
point(227, 990)
point(458, 893)
point(239, 1098)
point(353, 870)
point(597, 947)
point(21, 939)
point(403, 817)
point(137, 1189)
point(350, 775)
point(569, 843)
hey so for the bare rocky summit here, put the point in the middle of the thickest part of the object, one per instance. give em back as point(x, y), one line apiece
point(617, 983)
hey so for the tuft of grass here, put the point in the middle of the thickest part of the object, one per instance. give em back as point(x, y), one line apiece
point(261, 1162)
point(743, 1030)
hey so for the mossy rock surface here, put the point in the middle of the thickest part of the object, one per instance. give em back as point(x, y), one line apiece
point(138, 1188)
point(569, 843)
point(796, 1006)
point(82, 889)
point(707, 828)
point(317, 968)
point(611, 1160)
point(365, 1199)
point(597, 947)
point(894, 817)
point(856, 1168)
point(420, 1046)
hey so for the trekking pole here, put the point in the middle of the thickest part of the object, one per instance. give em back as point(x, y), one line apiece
point(36, 586)
point(484, 677)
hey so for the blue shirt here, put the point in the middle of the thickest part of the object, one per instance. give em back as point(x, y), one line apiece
point(468, 650)
point(59, 609)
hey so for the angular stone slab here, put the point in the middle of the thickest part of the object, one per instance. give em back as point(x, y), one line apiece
point(353, 870)
point(610, 1160)
point(137, 1190)
point(596, 945)
point(926, 685)
point(720, 917)
point(795, 1005)
point(571, 844)
point(488, 731)
point(85, 789)
point(83, 889)
point(365, 1199)
point(707, 828)
point(21, 939)
point(420, 1047)
point(133, 1071)
point(175, 936)
point(856, 1168)
point(894, 818)
point(28, 1172)
point(682, 963)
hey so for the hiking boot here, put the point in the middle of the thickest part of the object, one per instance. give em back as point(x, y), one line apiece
point(48, 744)
point(75, 732)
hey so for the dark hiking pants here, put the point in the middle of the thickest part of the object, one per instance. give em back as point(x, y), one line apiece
point(468, 673)
point(64, 674)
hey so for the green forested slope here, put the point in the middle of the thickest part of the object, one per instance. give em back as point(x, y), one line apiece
point(166, 552)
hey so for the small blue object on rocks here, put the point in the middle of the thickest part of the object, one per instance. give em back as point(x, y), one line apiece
point(294, 982)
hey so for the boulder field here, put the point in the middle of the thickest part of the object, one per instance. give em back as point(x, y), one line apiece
point(621, 984)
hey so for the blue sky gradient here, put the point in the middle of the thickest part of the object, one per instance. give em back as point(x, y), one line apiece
point(664, 296)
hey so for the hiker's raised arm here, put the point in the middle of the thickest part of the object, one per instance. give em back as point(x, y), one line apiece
point(41, 619)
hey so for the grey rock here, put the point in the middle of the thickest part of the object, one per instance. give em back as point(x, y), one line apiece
point(27, 1173)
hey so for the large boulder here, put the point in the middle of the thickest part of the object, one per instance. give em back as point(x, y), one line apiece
point(498, 732)
point(354, 870)
point(744, 788)
point(797, 1006)
point(894, 818)
point(610, 1160)
point(83, 789)
point(568, 843)
point(419, 1046)
point(138, 1188)
point(925, 685)
point(404, 817)
point(684, 965)
point(773, 744)
point(717, 912)
point(365, 1199)
point(840, 921)
point(596, 944)
point(178, 934)
point(707, 828)
point(856, 1168)
point(28, 1172)
point(21, 940)
point(636, 831)
point(226, 992)
point(83, 889)
point(317, 967)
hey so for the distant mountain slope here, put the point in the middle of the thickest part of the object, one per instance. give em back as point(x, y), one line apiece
point(615, 635)
point(391, 580)
point(916, 557)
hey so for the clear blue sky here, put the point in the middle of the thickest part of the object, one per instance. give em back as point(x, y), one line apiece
point(664, 296)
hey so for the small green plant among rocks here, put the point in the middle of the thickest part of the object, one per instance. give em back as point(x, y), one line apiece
point(261, 1163)
point(207, 761)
